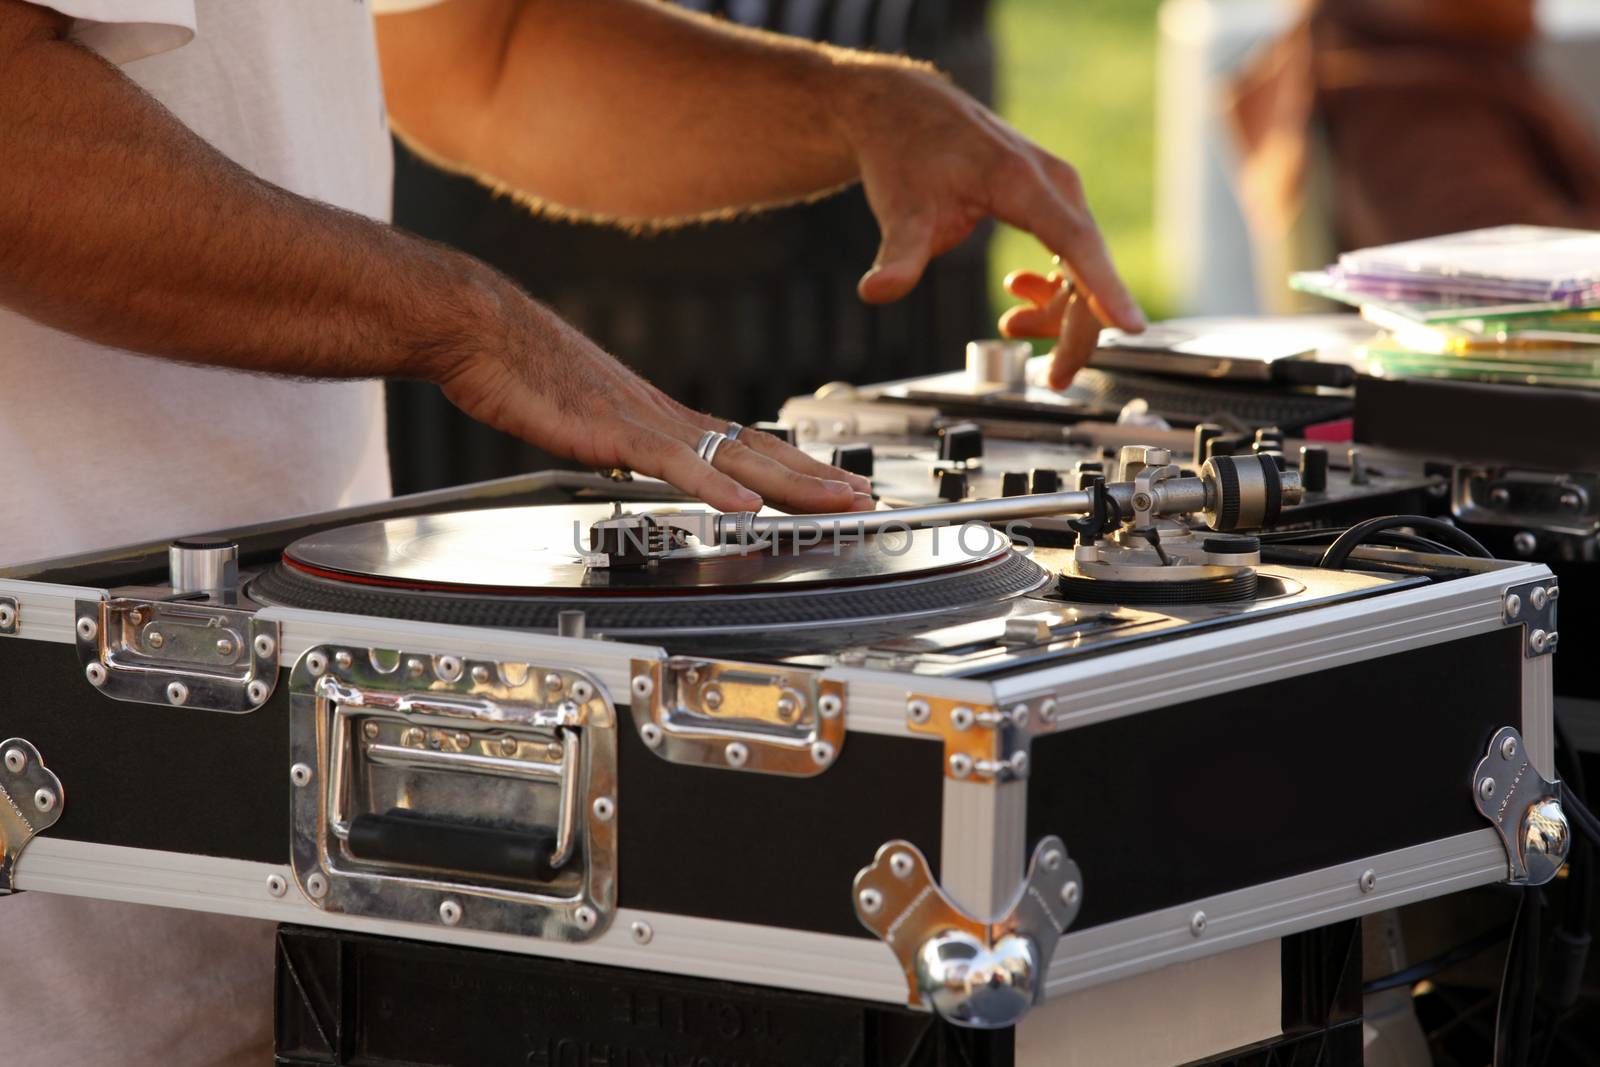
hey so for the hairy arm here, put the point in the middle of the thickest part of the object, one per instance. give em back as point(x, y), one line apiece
point(640, 112)
point(119, 225)
point(636, 111)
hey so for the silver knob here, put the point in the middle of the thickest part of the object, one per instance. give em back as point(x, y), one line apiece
point(203, 566)
point(999, 363)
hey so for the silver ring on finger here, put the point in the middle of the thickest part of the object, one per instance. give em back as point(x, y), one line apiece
point(710, 441)
point(733, 430)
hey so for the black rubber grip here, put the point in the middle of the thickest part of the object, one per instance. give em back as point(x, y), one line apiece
point(1273, 505)
point(404, 836)
point(1228, 484)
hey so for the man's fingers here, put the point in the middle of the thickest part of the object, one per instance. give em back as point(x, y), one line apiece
point(902, 257)
point(1030, 322)
point(1033, 287)
point(1080, 333)
point(1044, 317)
point(1052, 210)
point(676, 463)
point(782, 486)
point(793, 458)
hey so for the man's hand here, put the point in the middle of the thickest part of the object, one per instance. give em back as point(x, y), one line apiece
point(935, 162)
point(1052, 308)
point(550, 385)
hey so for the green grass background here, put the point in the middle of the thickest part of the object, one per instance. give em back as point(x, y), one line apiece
point(1078, 77)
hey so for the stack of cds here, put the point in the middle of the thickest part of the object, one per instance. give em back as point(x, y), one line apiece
point(1509, 304)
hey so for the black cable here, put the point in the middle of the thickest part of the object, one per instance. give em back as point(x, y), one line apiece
point(1434, 964)
point(1513, 1014)
point(1579, 815)
point(1347, 542)
point(1391, 538)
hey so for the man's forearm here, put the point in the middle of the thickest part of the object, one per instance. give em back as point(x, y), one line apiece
point(118, 224)
point(625, 109)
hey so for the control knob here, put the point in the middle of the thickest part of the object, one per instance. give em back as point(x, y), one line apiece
point(960, 442)
point(855, 459)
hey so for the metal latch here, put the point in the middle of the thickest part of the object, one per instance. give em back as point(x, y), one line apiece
point(1525, 808)
point(445, 789)
point(974, 973)
point(745, 716)
point(31, 800)
point(186, 653)
point(1532, 605)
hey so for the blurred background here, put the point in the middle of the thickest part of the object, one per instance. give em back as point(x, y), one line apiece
point(735, 317)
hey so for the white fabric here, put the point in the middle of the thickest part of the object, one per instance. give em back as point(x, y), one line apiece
point(123, 31)
point(102, 447)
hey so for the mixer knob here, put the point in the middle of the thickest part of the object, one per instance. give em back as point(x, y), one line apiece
point(1313, 469)
point(1014, 483)
point(960, 442)
point(856, 459)
point(1268, 439)
point(952, 484)
point(1087, 471)
point(1044, 480)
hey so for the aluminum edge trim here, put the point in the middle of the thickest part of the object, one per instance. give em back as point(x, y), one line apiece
point(47, 612)
point(1539, 712)
point(875, 701)
point(707, 948)
point(1111, 686)
point(1273, 909)
point(983, 844)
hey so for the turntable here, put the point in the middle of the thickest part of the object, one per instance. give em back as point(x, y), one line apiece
point(962, 757)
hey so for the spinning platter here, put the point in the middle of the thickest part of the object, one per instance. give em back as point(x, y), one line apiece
point(520, 567)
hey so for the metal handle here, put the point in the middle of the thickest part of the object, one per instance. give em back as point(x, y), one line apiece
point(431, 760)
point(437, 705)
point(566, 775)
point(472, 763)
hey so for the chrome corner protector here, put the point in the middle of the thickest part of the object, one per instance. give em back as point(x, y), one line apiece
point(10, 616)
point(754, 717)
point(974, 973)
point(177, 653)
point(1525, 808)
point(1532, 605)
point(33, 801)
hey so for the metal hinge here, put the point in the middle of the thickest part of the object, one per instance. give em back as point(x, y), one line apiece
point(975, 973)
point(1525, 808)
point(451, 790)
point(981, 742)
point(31, 799)
point(743, 716)
point(186, 653)
point(1532, 605)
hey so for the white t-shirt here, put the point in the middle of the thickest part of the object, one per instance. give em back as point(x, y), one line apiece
point(101, 447)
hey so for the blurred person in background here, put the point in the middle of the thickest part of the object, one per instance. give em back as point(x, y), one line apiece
point(1374, 121)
